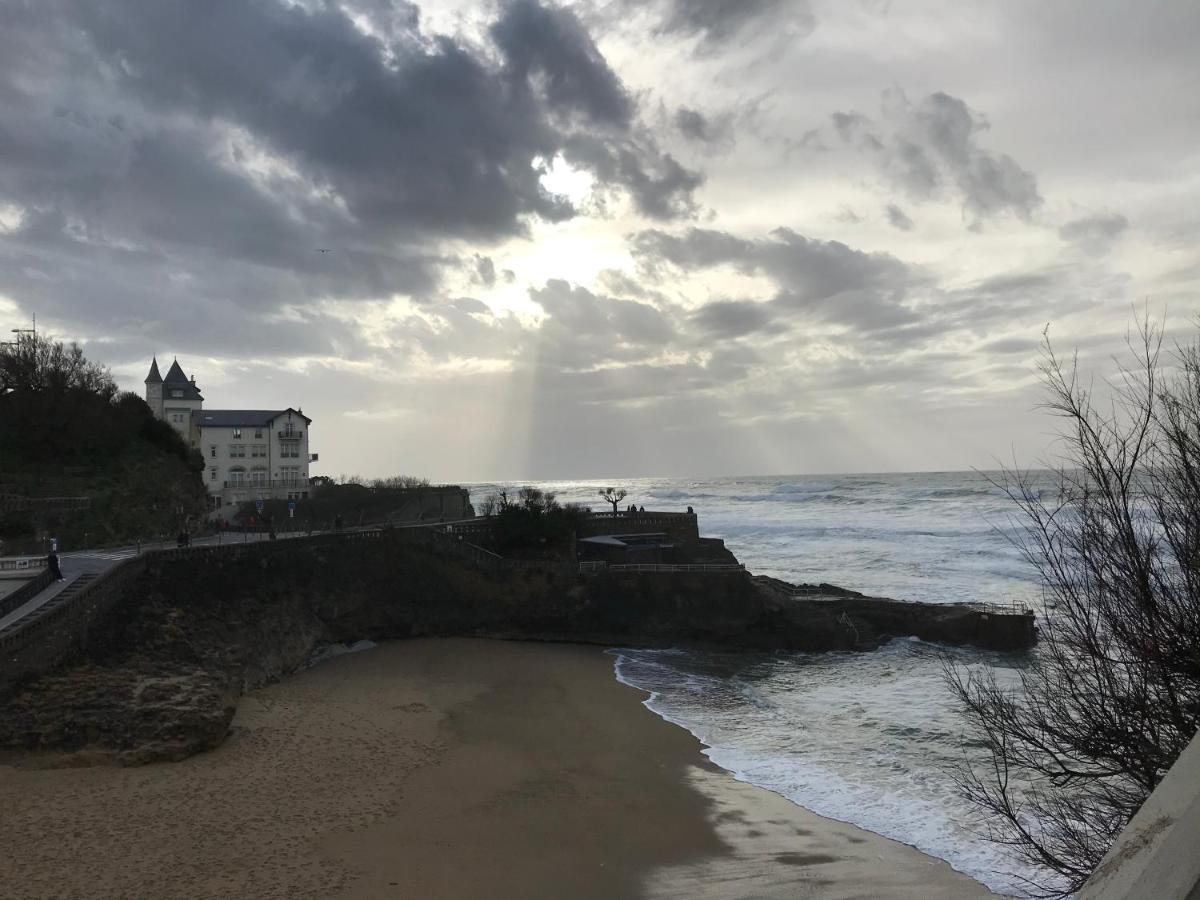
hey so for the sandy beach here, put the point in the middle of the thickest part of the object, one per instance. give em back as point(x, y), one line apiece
point(439, 768)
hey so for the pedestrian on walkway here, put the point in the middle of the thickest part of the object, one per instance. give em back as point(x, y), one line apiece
point(52, 565)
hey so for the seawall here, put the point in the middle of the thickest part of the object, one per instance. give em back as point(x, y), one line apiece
point(150, 661)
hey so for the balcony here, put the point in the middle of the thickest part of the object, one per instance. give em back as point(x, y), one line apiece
point(265, 483)
point(293, 435)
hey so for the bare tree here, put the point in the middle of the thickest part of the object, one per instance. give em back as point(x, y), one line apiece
point(1111, 696)
point(613, 496)
point(35, 363)
point(399, 481)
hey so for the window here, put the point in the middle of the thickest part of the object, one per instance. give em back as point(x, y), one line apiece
point(258, 451)
point(212, 474)
point(212, 451)
point(237, 434)
point(237, 451)
point(258, 433)
point(178, 394)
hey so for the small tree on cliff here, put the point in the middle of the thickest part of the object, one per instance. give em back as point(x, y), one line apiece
point(1112, 694)
point(33, 363)
point(613, 496)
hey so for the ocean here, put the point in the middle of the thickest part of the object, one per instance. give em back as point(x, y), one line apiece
point(866, 738)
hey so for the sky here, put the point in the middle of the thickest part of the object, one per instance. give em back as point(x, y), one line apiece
point(526, 240)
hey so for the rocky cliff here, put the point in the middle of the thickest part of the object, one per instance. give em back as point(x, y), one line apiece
point(158, 677)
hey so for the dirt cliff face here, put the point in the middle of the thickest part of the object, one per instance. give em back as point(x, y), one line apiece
point(159, 676)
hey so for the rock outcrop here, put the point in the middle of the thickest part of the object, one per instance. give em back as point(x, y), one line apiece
point(159, 676)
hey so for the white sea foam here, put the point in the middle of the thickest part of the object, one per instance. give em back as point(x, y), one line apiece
point(866, 738)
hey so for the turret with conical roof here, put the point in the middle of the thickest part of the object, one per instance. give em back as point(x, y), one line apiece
point(175, 398)
point(154, 390)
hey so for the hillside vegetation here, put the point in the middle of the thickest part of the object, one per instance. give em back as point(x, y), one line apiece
point(66, 432)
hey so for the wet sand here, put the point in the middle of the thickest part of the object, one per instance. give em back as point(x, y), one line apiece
point(450, 768)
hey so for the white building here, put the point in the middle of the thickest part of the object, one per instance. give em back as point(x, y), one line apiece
point(248, 453)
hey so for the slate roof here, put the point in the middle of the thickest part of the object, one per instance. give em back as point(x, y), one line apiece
point(177, 381)
point(244, 418)
point(175, 373)
point(229, 418)
point(154, 377)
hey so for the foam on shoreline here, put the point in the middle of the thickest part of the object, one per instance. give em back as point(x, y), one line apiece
point(743, 735)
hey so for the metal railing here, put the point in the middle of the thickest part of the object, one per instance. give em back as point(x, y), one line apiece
point(250, 484)
point(651, 514)
point(670, 567)
point(818, 592)
point(290, 435)
point(22, 564)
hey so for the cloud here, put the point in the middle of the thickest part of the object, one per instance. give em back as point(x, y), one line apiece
point(551, 47)
point(717, 22)
point(931, 147)
point(898, 219)
point(583, 329)
point(734, 318)
point(660, 186)
point(176, 160)
point(1095, 233)
point(485, 270)
point(809, 271)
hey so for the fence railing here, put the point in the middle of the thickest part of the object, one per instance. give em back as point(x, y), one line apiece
point(23, 564)
point(249, 483)
point(653, 514)
point(818, 592)
point(675, 567)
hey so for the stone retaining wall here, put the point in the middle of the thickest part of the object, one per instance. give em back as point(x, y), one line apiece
point(26, 592)
point(52, 635)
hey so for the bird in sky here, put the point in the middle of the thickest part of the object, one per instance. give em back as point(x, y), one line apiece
point(323, 249)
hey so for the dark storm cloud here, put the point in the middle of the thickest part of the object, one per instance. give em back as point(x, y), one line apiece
point(931, 146)
point(898, 218)
point(734, 318)
point(313, 89)
point(184, 154)
point(872, 294)
point(553, 46)
point(1095, 233)
point(809, 270)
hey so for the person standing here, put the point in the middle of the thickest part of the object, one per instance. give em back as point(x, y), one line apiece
point(52, 564)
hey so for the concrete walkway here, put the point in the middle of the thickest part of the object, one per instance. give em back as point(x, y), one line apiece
point(98, 561)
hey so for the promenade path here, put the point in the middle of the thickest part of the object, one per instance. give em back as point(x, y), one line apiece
point(81, 566)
